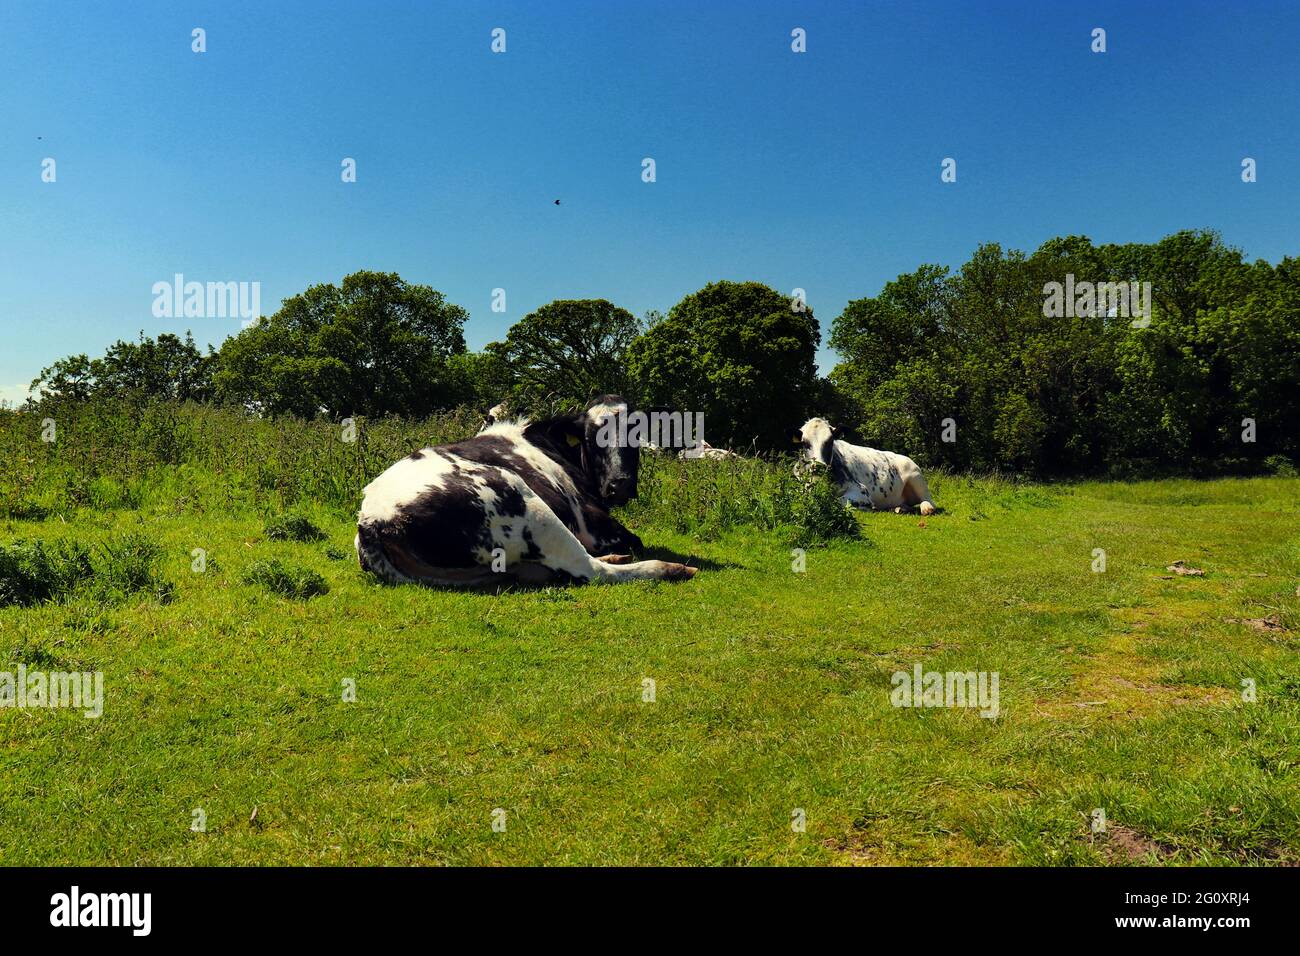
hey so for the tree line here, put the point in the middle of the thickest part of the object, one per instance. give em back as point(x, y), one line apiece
point(977, 368)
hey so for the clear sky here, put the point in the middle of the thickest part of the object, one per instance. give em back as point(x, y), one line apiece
point(818, 170)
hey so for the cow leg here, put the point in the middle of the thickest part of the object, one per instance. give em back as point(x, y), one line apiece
point(555, 547)
point(917, 492)
point(855, 495)
point(607, 533)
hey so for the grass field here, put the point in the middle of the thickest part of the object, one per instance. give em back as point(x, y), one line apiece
point(1120, 690)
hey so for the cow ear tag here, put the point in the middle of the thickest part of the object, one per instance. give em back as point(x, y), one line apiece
point(573, 440)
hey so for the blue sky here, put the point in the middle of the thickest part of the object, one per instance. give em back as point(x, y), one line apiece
point(817, 170)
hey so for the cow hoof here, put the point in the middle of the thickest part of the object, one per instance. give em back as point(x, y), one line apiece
point(679, 572)
point(616, 559)
point(927, 508)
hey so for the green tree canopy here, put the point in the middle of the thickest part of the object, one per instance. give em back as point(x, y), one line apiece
point(566, 352)
point(375, 345)
point(741, 353)
point(167, 367)
point(1068, 393)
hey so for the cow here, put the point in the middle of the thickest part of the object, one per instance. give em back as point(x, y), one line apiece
point(867, 478)
point(497, 413)
point(705, 451)
point(519, 503)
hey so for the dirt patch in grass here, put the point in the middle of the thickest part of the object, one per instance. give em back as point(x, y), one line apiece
point(1269, 625)
point(1124, 844)
point(1119, 683)
point(898, 846)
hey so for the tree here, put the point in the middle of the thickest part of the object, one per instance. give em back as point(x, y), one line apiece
point(479, 380)
point(741, 353)
point(566, 352)
point(1043, 391)
point(375, 345)
point(167, 367)
point(69, 377)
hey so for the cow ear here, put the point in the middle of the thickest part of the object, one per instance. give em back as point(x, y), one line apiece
point(564, 431)
point(795, 435)
point(837, 434)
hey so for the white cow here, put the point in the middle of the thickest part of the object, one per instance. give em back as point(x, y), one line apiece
point(707, 452)
point(867, 478)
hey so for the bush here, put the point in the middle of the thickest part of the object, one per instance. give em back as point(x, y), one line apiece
point(707, 498)
point(293, 527)
point(1280, 465)
point(818, 516)
point(25, 509)
point(287, 580)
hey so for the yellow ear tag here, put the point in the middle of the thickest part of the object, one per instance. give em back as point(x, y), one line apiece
point(574, 440)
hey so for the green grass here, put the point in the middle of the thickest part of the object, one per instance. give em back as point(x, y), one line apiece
point(1119, 690)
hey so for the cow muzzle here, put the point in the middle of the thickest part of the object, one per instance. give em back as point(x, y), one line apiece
point(618, 491)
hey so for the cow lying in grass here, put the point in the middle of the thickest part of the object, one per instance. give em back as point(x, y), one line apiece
point(705, 451)
point(520, 502)
point(867, 478)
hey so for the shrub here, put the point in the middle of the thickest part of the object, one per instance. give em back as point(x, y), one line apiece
point(707, 498)
point(1280, 465)
point(24, 509)
point(287, 580)
point(818, 516)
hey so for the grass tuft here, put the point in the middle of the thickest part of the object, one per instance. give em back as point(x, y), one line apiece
point(293, 527)
point(287, 580)
point(124, 564)
point(34, 572)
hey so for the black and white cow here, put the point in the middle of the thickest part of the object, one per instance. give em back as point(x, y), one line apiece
point(867, 478)
point(520, 502)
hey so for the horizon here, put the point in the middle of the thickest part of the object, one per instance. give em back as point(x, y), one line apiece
point(817, 170)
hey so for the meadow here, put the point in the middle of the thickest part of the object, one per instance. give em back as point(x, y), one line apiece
point(256, 681)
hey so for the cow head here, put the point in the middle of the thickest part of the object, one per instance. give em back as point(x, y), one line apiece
point(598, 441)
point(816, 440)
point(613, 456)
point(497, 413)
